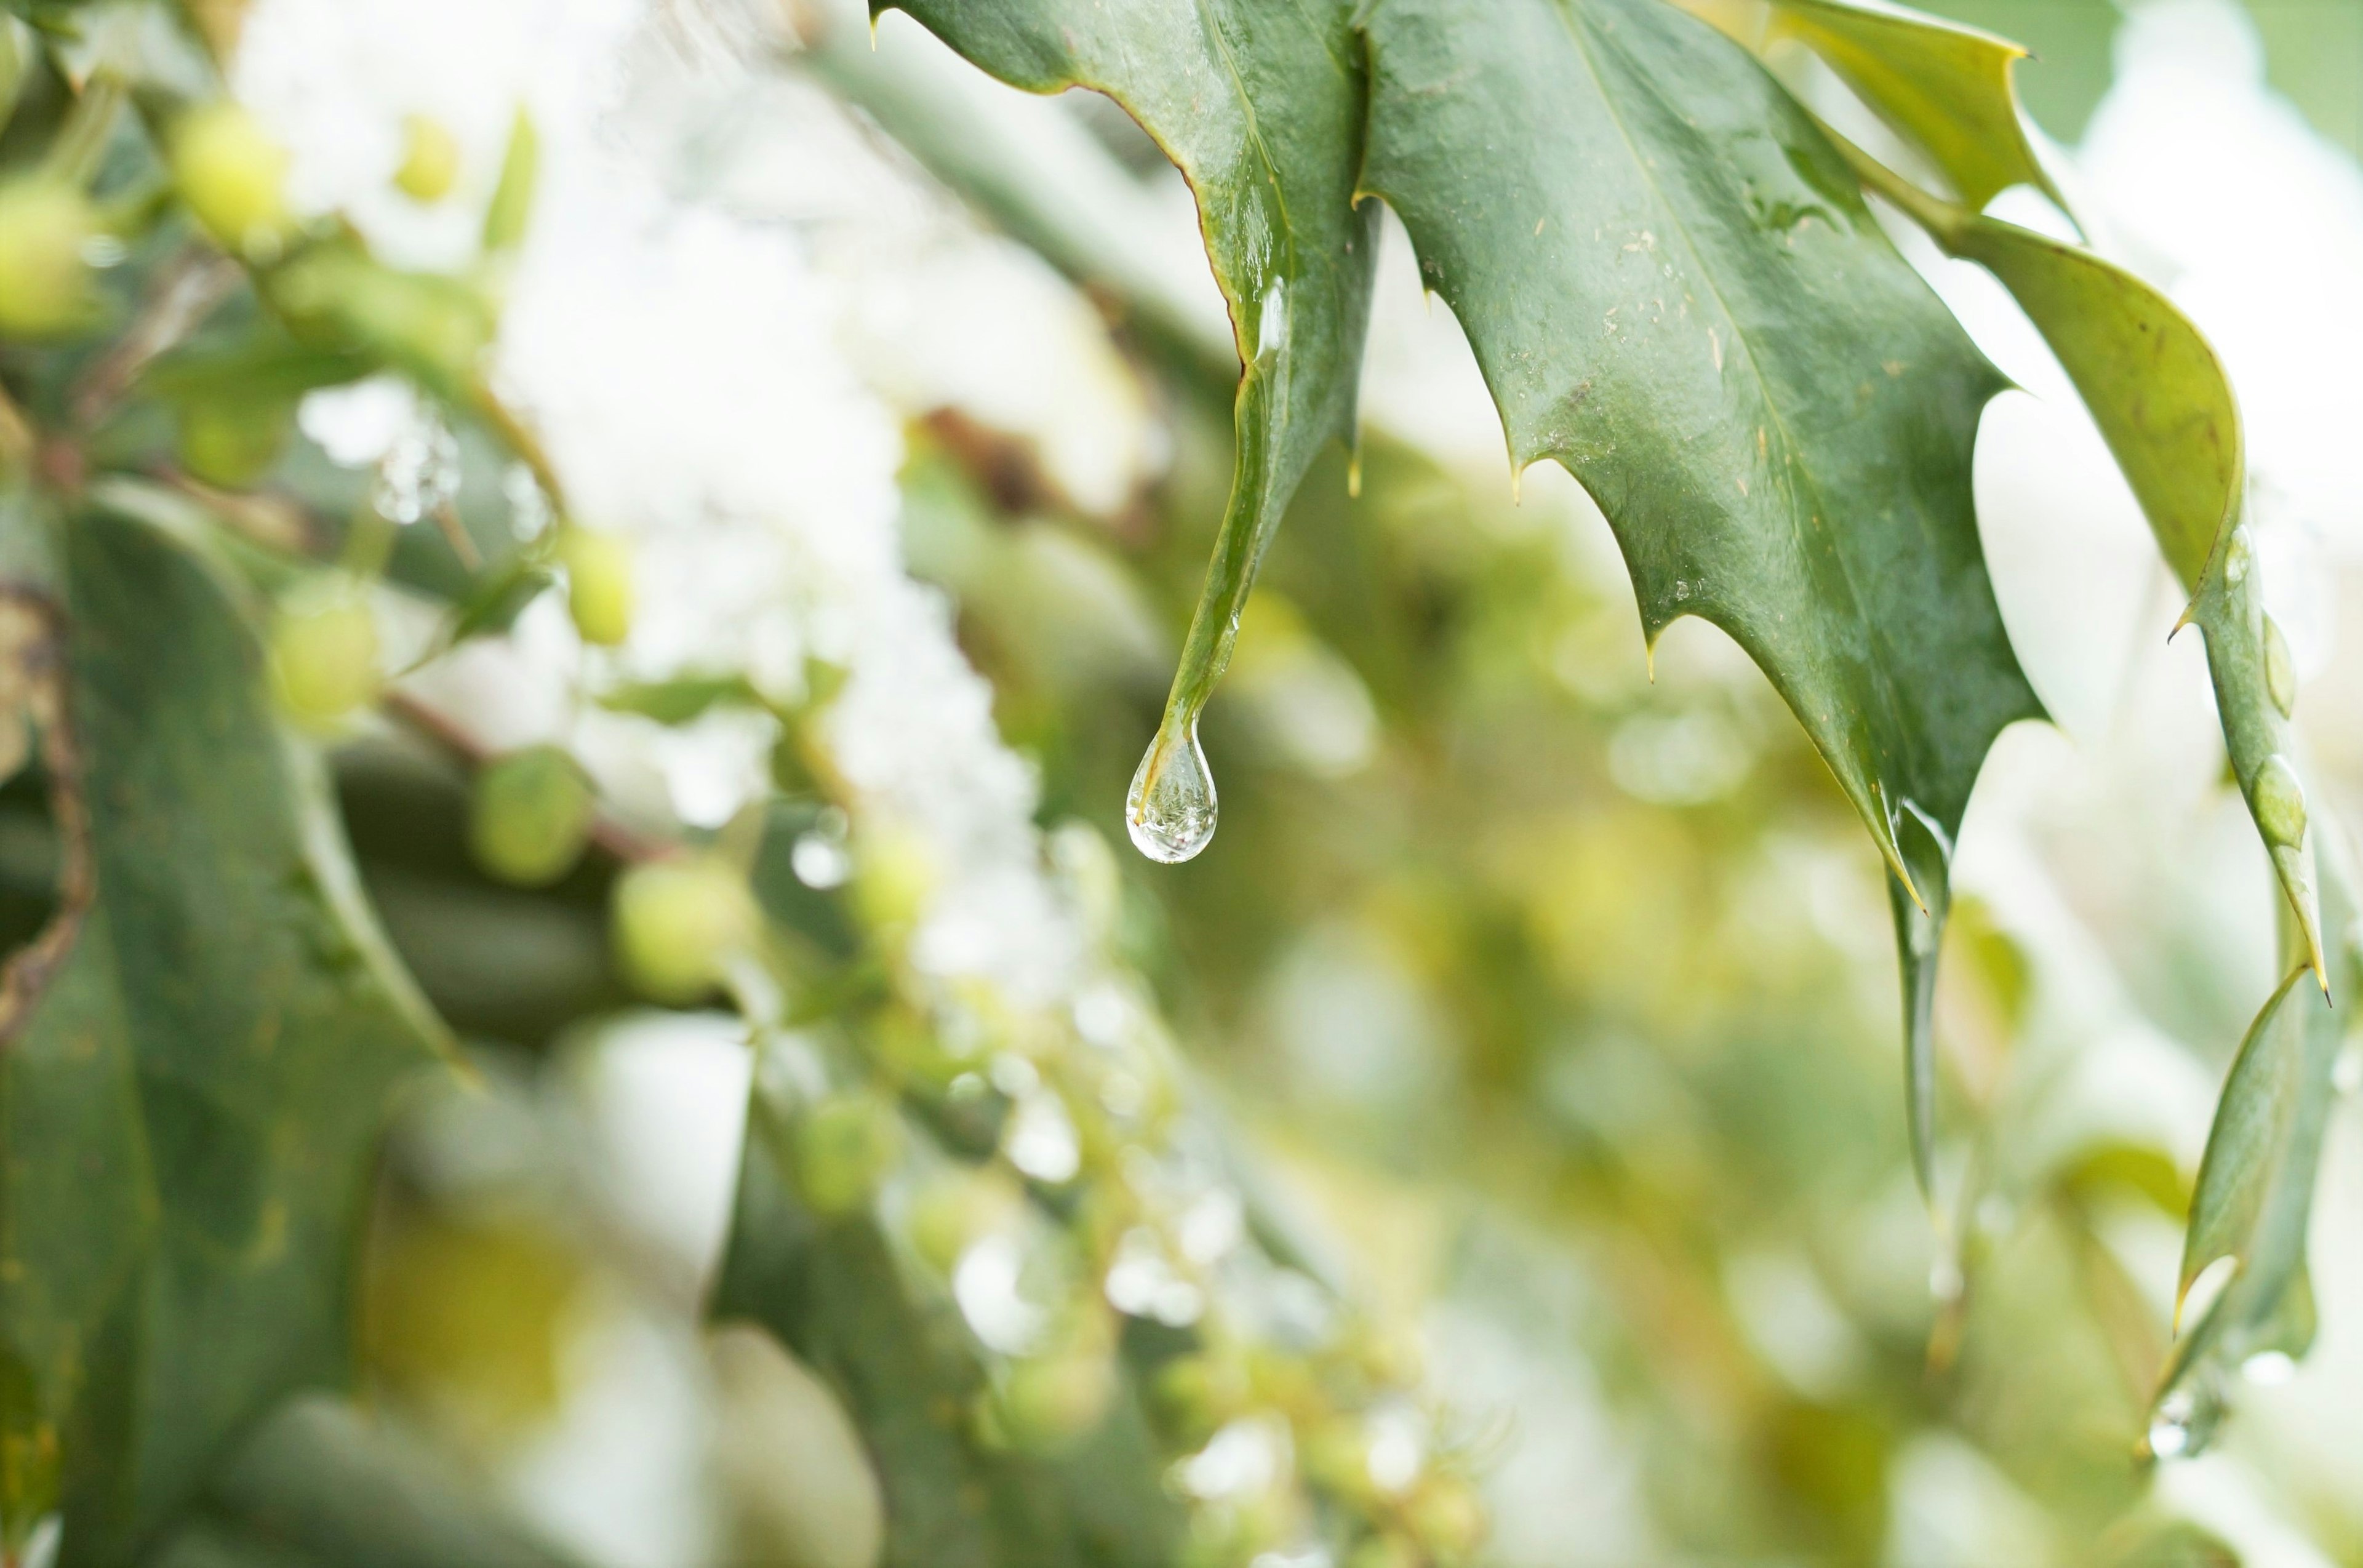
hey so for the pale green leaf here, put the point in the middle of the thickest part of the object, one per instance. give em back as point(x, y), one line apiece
point(1945, 87)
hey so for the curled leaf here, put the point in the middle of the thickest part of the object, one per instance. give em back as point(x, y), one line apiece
point(1261, 105)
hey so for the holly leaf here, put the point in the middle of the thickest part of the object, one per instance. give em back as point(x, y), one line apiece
point(1675, 288)
point(195, 1061)
point(2165, 406)
point(1261, 104)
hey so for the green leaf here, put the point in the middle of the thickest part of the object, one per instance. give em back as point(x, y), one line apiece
point(2165, 407)
point(2254, 1201)
point(511, 207)
point(1260, 103)
point(1675, 288)
point(193, 1084)
point(1944, 86)
point(910, 1375)
point(319, 1484)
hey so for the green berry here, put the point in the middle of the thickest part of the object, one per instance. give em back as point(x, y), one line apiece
point(1047, 1402)
point(953, 1211)
point(430, 160)
point(677, 924)
point(325, 657)
point(844, 1148)
point(530, 816)
point(233, 176)
point(598, 585)
point(44, 282)
point(231, 442)
point(895, 876)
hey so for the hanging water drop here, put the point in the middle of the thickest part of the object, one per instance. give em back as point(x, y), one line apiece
point(2280, 673)
point(1171, 808)
point(2279, 801)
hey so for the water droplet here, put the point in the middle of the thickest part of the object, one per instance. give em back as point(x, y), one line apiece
point(2280, 673)
point(2279, 801)
point(2236, 558)
point(2170, 1430)
point(820, 861)
point(1040, 1139)
point(419, 474)
point(1171, 808)
point(2267, 1369)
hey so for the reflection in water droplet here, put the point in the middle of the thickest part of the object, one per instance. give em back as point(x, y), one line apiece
point(2169, 1433)
point(1272, 320)
point(2268, 1368)
point(1171, 809)
point(2236, 556)
point(2280, 673)
point(2279, 801)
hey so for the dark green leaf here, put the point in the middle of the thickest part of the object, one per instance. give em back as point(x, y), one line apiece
point(910, 1375)
point(1676, 290)
point(2163, 402)
point(192, 1093)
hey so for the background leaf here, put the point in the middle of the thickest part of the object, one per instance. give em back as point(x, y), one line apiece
point(192, 1103)
point(911, 1376)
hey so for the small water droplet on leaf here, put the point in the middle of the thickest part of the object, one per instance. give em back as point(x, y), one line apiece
point(2237, 554)
point(2280, 674)
point(2280, 801)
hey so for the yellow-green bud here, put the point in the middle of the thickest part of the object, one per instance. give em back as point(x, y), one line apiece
point(1048, 1401)
point(677, 924)
point(530, 816)
point(430, 160)
point(844, 1146)
point(231, 441)
point(951, 1213)
point(325, 658)
point(44, 282)
point(895, 876)
point(1335, 1453)
point(598, 585)
point(1447, 1517)
point(233, 176)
